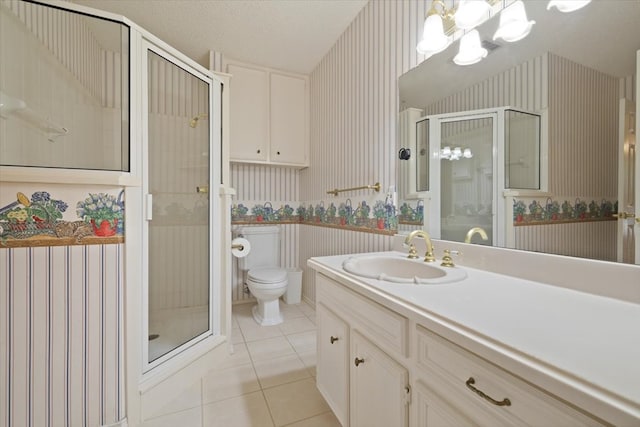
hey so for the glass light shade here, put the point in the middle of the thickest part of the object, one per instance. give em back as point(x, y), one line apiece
point(513, 23)
point(457, 151)
point(471, 13)
point(445, 152)
point(433, 38)
point(471, 51)
point(568, 5)
point(467, 154)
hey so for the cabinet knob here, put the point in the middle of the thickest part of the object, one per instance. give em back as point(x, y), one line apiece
point(278, 153)
point(358, 361)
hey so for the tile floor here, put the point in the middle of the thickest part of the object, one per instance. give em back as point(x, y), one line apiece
point(269, 380)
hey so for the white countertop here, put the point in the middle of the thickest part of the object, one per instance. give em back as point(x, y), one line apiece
point(583, 339)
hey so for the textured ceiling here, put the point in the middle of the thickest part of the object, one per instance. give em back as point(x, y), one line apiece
point(291, 35)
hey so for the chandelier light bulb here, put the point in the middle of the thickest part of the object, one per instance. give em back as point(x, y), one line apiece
point(433, 38)
point(471, 51)
point(514, 25)
point(568, 5)
point(471, 13)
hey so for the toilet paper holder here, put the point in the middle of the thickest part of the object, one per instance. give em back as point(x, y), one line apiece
point(237, 246)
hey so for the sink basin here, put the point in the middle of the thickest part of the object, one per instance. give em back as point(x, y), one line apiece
point(399, 269)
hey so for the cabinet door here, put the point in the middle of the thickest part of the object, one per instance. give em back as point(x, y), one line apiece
point(288, 119)
point(332, 368)
point(433, 411)
point(379, 390)
point(249, 115)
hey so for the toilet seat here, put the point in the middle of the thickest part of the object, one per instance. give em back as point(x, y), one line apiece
point(267, 275)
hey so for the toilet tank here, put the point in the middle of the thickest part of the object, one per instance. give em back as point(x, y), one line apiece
point(265, 247)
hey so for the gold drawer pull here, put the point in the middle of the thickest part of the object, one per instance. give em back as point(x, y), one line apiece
point(333, 339)
point(358, 361)
point(503, 402)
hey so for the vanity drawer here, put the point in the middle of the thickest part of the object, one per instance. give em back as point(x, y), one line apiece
point(388, 329)
point(465, 372)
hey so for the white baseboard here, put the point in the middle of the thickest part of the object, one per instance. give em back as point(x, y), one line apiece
point(308, 300)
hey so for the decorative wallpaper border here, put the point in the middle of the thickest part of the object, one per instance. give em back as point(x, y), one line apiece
point(550, 211)
point(378, 216)
point(44, 219)
point(410, 215)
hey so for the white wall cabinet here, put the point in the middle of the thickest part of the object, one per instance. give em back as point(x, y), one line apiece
point(394, 366)
point(269, 116)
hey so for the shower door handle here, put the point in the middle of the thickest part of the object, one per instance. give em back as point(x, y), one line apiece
point(148, 210)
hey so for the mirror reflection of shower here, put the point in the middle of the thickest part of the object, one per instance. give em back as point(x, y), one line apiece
point(194, 121)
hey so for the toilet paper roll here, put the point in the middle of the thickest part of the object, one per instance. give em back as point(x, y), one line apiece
point(240, 247)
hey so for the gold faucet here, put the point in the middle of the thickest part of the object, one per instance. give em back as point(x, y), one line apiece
point(476, 230)
point(428, 257)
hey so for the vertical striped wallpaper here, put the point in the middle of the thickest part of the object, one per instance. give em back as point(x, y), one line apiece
point(256, 183)
point(524, 86)
point(583, 130)
point(65, 77)
point(61, 334)
point(65, 35)
point(354, 107)
point(595, 240)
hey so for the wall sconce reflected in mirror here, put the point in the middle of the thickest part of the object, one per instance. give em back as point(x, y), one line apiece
point(471, 13)
point(194, 121)
point(514, 25)
point(457, 153)
point(471, 50)
point(568, 5)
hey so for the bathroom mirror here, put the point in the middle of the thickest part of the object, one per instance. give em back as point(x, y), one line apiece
point(551, 71)
point(64, 89)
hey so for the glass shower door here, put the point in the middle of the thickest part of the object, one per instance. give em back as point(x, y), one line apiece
point(464, 167)
point(178, 170)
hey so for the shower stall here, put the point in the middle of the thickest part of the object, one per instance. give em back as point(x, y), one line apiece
point(465, 162)
point(181, 214)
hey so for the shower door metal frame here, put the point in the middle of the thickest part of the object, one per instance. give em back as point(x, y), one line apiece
point(208, 339)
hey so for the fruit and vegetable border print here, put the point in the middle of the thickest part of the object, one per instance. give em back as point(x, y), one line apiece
point(60, 217)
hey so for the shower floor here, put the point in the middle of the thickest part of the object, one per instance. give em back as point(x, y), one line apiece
point(172, 327)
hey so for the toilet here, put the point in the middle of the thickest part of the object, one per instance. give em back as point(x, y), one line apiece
point(264, 277)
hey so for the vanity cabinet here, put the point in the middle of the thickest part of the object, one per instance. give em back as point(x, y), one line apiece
point(364, 385)
point(379, 387)
point(390, 365)
point(469, 387)
point(332, 371)
point(269, 116)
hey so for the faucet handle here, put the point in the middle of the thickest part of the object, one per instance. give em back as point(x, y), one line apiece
point(413, 254)
point(447, 260)
point(429, 256)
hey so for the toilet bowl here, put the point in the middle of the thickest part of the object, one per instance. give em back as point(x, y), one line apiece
point(267, 285)
point(266, 281)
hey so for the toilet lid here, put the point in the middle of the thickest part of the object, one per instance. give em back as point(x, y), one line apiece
point(267, 275)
